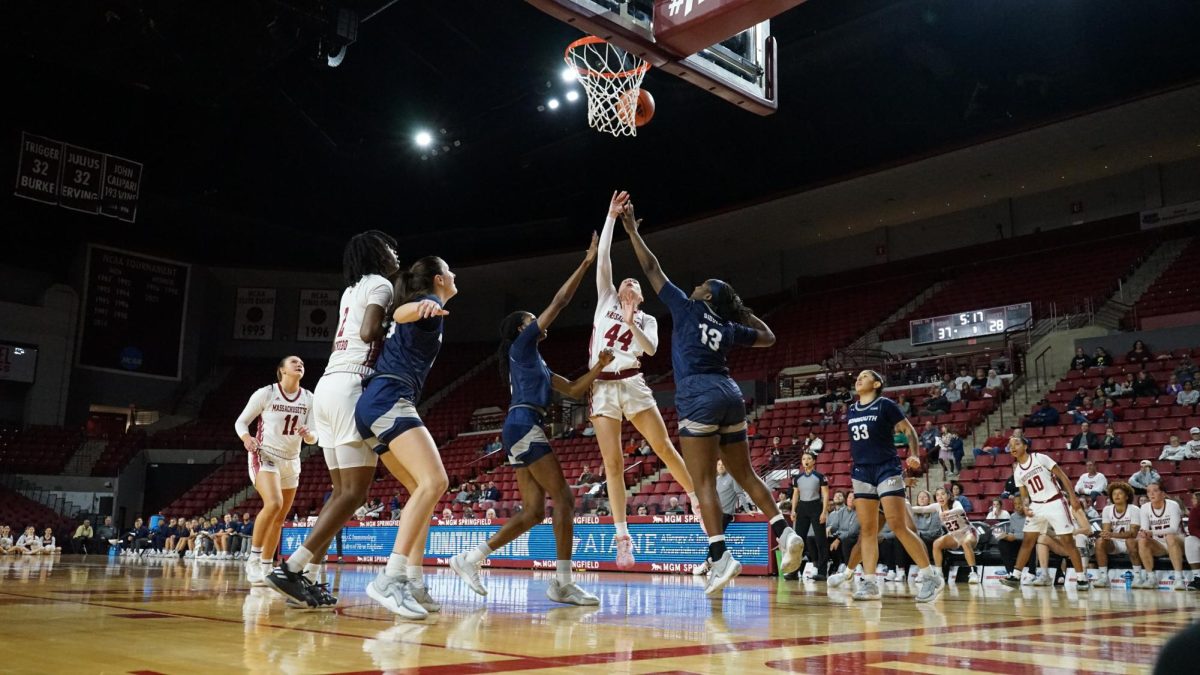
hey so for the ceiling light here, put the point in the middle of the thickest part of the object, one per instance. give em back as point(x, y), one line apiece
point(423, 138)
point(552, 104)
point(569, 74)
point(572, 96)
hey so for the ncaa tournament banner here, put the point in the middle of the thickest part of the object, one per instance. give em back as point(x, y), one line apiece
point(254, 314)
point(664, 544)
point(318, 315)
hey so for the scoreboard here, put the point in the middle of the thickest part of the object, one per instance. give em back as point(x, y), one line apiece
point(964, 325)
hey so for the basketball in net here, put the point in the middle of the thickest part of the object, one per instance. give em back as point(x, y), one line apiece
point(612, 79)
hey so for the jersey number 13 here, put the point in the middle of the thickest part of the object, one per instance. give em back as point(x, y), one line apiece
point(710, 337)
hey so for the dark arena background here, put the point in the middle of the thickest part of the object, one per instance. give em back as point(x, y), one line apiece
point(991, 209)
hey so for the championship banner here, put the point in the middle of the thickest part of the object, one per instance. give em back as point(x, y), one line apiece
point(665, 544)
point(53, 172)
point(254, 314)
point(318, 315)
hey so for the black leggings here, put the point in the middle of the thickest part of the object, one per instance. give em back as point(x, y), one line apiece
point(808, 514)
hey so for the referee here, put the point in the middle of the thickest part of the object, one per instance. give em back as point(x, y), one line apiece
point(810, 503)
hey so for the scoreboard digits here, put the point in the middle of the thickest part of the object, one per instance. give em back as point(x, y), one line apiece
point(966, 325)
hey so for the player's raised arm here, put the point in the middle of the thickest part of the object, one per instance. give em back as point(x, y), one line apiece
point(563, 297)
point(766, 337)
point(646, 258)
point(604, 280)
point(576, 389)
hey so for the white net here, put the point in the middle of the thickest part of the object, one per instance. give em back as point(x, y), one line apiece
point(612, 78)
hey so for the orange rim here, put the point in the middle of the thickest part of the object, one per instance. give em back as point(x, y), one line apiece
point(588, 72)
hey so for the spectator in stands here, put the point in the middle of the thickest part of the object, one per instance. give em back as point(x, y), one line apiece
point(979, 382)
point(905, 406)
point(997, 512)
point(1186, 370)
point(490, 514)
point(776, 458)
point(394, 506)
point(1144, 477)
point(49, 545)
point(1101, 358)
point(106, 535)
point(447, 514)
point(796, 448)
point(1139, 354)
point(783, 502)
point(936, 404)
point(495, 445)
point(29, 543)
point(842, 529)
point(82, 537)
point(1085, 412)
point(644, 450)
point(1194, 443)
point(1144, 385)
point(1173, 387)
point(1084, 440)
point(674, 508)
point(950, 450)
point(954, 393)
point(813, 444)
point(1174, 451)
point(1109, 413)
point(964, 378)
point(464, 494)
point(641, 510)
point(7, 545)
point(1081, 361)
point(1092, 482)
point(631, 447)
point(1044, 416)
point(1112, 388)
point(1111, 440)
point(994, 381)
point(929, 440)
point(752, 429)
point(468, 513)
point(586, 477)
point(957, 492)
point(1127, 386)
point(1189, 395)
point(492, 493)
point(1077, 400)
point(1009, 536)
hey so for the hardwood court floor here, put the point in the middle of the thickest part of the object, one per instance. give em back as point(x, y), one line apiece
point(98, 615)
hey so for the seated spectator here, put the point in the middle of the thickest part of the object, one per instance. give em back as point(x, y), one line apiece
point(994, 381)
point(953, 394)
point(29, 543)
point(83, 537)
point(447, 514)
point(957, 492)
point(905, 406)
point(751, 429)
point(1194, 443)
point(1144, 476)
point(1084, 440)
point(674, 508)
point(1086, 412)
point(796, 448)
point(464, 494)
point(945, 450)
point(1139, 354)
point(644, 449)
point(784, 501)
point(776, 458)
point(1127, 386)
point(7, 545)
point(1111, 440)
point(1188, 396)
point(929, 525)
point(1174, 451)
point(490, 514)
point(813, 444)
point(394, 507)
point(936, 404)
point(1092, 482)
point(979, 382)
point(49, 545)
point(1186, 370)
point(1144, 385)
point(585, 477)
point(1077, 400)
point(1109, 412)
point(468, 513)
point(997, 512)
point(1101, 358)
point(1081, 360)
point(775, 446)
point(1112, 388)
point(929, 440)
point(494, 446)
point(641, 510)
point(1044, 416)
point(1173, 387)
point(492, 493)
point(964, 378)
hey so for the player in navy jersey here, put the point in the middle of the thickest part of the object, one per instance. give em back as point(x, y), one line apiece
point(878, 479)
point(539, 473)
point(712, 412)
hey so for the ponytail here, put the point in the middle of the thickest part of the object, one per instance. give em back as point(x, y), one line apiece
point(418, 279)
point(510, 328)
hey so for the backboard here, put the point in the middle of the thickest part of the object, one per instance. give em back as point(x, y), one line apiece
point(722, 46)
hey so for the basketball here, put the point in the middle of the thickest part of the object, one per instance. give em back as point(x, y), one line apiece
point(639, 108)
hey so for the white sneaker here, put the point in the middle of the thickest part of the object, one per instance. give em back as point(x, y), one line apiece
point(868, 589)
point(701, 569)
point(723, 571)
point(424, 599)
point(839, 578)
point(1041, 580)
point(792, 546)
point(468, 572)
point(570, 594)
point(1144, 580)
point(394, 595)
point(892, 575)
point(1180, 584)
point(973, 578)
point(880, 570)
point(1101, 580)
point(254, 573)
point(931, 586)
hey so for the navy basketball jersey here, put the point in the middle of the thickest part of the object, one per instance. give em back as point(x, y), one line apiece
point(871, 428)
point(409, 353)
point(700, 340)
point(528, 374)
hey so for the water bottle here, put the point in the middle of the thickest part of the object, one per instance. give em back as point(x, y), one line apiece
point(1128, 580)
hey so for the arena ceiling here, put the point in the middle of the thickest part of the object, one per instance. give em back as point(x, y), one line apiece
point(257, 153)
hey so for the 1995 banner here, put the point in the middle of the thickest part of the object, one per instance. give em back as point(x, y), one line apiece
point(668, 544)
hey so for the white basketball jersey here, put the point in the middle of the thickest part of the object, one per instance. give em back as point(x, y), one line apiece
point(1164, 521)
point(279, 418)
point(610, 332)
point(954, 519)
point(1121, 522)
point(350, 353)
point(1036, 477)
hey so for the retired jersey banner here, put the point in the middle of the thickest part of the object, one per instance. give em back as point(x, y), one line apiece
point(53, 172)
point(318, 315)
point(38, 169)
point(254, 314)
point(83, 170)
point(122, 183)
point(665, 544)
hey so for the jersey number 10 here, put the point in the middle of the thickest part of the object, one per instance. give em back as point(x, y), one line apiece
point(612, 336)
point(289, 424)
point(1035, 482)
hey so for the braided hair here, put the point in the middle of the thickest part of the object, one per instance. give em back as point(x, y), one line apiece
point(510, 328)
point(727, 303)
point(367, 253)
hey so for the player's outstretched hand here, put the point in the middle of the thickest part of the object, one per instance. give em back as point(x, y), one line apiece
point(590, 256)
point(629, 220)
point(428, 308)
point(606, 357)
point(914, 462)
point(628, 310)
point(617, 204)
point(250, 444)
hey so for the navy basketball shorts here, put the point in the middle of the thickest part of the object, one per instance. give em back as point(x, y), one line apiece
point(382, 415)
point(872, 481)
point(524, 438)
point(709, 405)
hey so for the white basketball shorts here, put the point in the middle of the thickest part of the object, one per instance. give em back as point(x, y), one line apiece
point(621, 398)
point(1053, 517)
point(333, 412)
point(288, 469)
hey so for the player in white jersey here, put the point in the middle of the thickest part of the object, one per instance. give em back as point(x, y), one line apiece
point(368, 264)
point(1119, 525)
point(959, 531)
point(273, 455)
point(1043, 482)
point(621, 391)
point(1162, 533)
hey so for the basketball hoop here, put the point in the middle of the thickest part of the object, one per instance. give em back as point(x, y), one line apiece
point(612, 78)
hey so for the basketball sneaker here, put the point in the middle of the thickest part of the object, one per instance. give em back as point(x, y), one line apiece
point(1195, 584)
point(624, 544)
point(468, 572)
point(1082, 584)
point(1143, 581)
point(1101, 581)
point(1041, 580)
point(723, 571)
point(1011, 580)
point(839, 578)
point(868, 589)
point(704, 568)
point(395, 596)
point(973, 578)
point(320, 593)
point(423, 598)
point(1180, 585)
point(792, 546)
point(570, 594)
point(254, 573)
point(892, 575)
point(291, 585)
point(930, 586)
